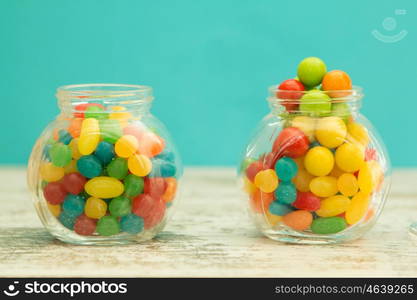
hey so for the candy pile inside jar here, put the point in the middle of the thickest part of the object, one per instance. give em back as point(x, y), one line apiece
point(107, 173)
point(321, 172)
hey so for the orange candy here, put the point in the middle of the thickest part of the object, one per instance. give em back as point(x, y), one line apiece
point(150, 144)
point(298, 220)
point(336, 80)
point(260, 201)
point(171, 189)
point(74, 127)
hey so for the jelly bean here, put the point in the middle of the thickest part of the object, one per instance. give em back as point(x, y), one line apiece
point(126, 146)
point(51, 173)
point(311, 71)
point(117, 168)
point(349, 157)
point(144, 205)
point(307, 201)
point(64, 136)
point(260, 201)
point(54, 209)
point(161, 168)
point(119, 206)
point(298, 220)
point(104, 187)
point(104, 152)
point(336, 80)
point(54, 193)
point(171, 189)
point(328, 225)
point(279, 209)
point(131, 223)
point(139, 164)
point(286, 193)
point(324, 186)
point(110, 130)
point(315, 103)
point(84, 225)
point(73, 205)
point(95, 208)
point(121, 115)
point(333, 206)
point(370, 175)
point(81, 108)
point(331, 131)
point(341, 110)
point(155, 186)
point(75, 153)
point(306, 124)
point(319, 161)
point(156, 216)
point(291, 142)
point(108, 225)
point(294, 88)
point(89, 166)
point(74, 183)
point(60, 154)
point(347, 184)
point(67, 220)
point(133, 185)
point(266, 181)
point(151, 144)
point(358, 208)
point(74, 127)
point(89, 136)
point(170, 157)
point(253, 169)
point(286, 168)
point(357, 133)
point(302, 180)
point(272, 219)
point(71, 167)
point(95, 112)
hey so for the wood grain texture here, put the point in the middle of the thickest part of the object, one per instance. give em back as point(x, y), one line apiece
point(209, 235)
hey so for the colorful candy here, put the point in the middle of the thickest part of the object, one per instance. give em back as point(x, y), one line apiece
point(126, 146)
point(298, 220)
point(349, 157)
point(307, 201)
point(286, 193)
point(89, 136)
point(306, 124)
point(73, 205)
point(108, 225)
point(319, 161)
point(279, 209)
point(49, 172)
point(324, 186)
point(357, 208)
point(139, 164)
point(95, 208)
point(336, 81)
point(54, 193)
point(315, 103)
point(328, 225)
point(347, 184)
point(117, 168)
point(132, 224)
point(266, 181)
point(294, 88)
point(133, 185)
point(84, 225)
point(104, 187)
point(74, 183)
point(119, 206)
point(333, 206)
point(104, 152)
point(311, 71)
point(330, 131)
point(291, 142)
point(89, 166)
point(60, 154)
point(286, 169)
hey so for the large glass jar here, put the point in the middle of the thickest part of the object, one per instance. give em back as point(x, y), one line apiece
point(105, 171)
point(315, 171)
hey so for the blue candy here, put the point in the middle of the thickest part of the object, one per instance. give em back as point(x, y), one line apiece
point(131, 223)
point(73, 205)
point(105, 152)
point(166, 155)
point(286, 192)
point(286, 169)
point(89, 166)
point(64, 136)
point(279, 209)
point(67, 220)
point(161, 168)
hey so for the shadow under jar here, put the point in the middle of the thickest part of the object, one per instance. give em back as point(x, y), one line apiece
point(105, 171)
point(315, 170)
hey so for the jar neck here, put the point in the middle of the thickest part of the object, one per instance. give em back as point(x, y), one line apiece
point(134, 99)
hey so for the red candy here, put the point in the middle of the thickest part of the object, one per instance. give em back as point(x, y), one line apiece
point(151, 209)
point(81, 108)
point(156, 216)
point(291, 142)
point(155, 186)
point(74, 183)
point(307, 201)
point(54, 193)
point(294, 88)
point(85, 225)
point(253, 169)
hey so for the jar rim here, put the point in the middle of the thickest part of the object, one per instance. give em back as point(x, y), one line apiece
point(103, 88)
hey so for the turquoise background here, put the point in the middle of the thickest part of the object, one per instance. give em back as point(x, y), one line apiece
point(210, 63)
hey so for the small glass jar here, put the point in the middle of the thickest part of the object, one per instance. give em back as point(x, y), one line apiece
point(105, 171)
point(315, 171)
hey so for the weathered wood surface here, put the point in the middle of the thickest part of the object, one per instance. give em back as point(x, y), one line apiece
point(210, 235)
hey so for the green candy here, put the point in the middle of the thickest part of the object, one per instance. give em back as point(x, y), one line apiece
point(96, 112)
point(315, 104)
point(110, 130)
point(341, 110)
point(120, 206)
point(108, 225)
point(117, 168)
point(60, 154)
point(328, 225)
point(133, 185)
point(311, 71)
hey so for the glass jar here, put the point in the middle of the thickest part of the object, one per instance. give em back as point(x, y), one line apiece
point(315, 170)
point(105, 171)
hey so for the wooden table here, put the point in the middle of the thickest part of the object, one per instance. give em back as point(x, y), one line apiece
point(210, 235)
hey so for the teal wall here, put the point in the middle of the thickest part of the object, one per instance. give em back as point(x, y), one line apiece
point(209, 62)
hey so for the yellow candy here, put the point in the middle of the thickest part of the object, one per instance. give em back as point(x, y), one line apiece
point(324, 186)
point(306, 125)
point(349, 157)
point(357, 208)
point(319, 161)
point(357, 134)
point(121, 115)
point(248, 186)
point(347, 184)
point(89, 136)
point(266, 180)
point(104, 187)
point(71, 167)
point(126, 146)
point(51, 173)
point(370, 175)
point(139, 164)
point(272, 219)
point(95, 208)
point(333, 206)
point(74, 149)
point(331, 131)
point(302, 180)
point(54, 209)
